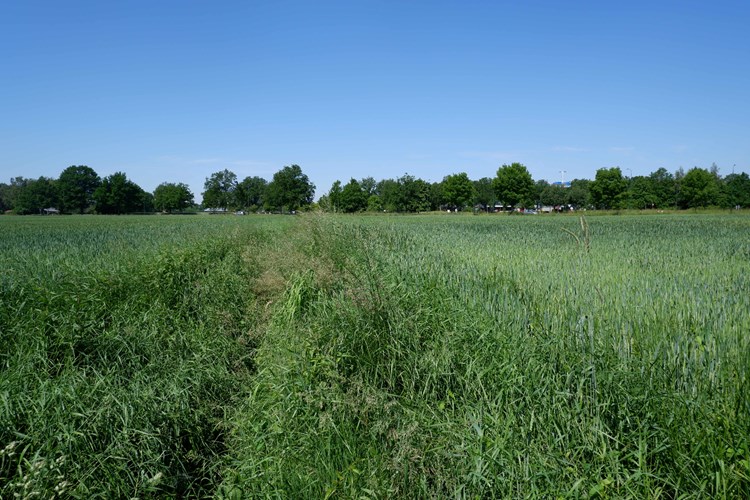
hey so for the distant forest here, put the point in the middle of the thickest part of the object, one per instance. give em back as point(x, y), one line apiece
point(79, 189)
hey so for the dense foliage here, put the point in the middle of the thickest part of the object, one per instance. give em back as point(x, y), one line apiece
point(513, 187)
point(289, 190)
point(169, 197)
point(79, 189)
point(117, 194)
point(76, 186)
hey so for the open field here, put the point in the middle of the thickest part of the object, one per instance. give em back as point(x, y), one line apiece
point(414, 356)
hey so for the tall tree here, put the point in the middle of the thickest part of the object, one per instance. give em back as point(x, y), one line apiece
point(76, 185)
point(458, 190)
point(118, 195)
point(219, 189)
point(663, 187)
point(514, 186)
point(368, 185)
point(413, 194)
point(334, 197)
point(539, 187)
point(737, 189)
point(436, 197)
point(579, 194)
point(554, 195)
point(388, 193)
point(290, 189)
point(147, 201)
point(10, 191)
point(485, 194)
point(169, 197)
point(699, 188)
point(641, 193)
point(251, 192)
point(35, 195)
point(352, 197)
point(608, 188)
point(4, 197)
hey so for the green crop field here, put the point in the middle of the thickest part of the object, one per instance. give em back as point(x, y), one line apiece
point(375, 356)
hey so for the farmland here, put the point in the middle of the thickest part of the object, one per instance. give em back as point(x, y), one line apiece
point(407, 356)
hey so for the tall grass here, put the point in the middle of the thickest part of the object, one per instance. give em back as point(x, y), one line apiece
point(484, 357)
point(124, 346)
point(375, 357)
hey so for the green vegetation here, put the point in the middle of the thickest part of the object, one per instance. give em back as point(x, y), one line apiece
point(125, 346)
point(80, 189)
point(473, 357)
point(514, 186)
point(169, 197)
point(118, 195)
point(76, 187)
point(348, 356)
point(289, 190)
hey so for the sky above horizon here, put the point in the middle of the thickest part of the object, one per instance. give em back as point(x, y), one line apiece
point(172, 91)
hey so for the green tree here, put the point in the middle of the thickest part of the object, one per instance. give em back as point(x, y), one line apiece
point(147, 201)
point(10, 191)
point(514, 186)
point(353, 198)
point(608, 188)
point(679, 175)
point(539, 187)
point(485, 194)
point(699, 188)
point(579, 194)
point(117, 194)
point(219, 190)
point(413, 194)
point(663, 188)
point(334, 197)
point(388, 191)
point(737, 189)
point(554, 195)
point(435, 197)
point(34, 195)
point(290, 189)
point(641, 193)
point(76, 185)
point(169, 197)
point(458, 190)
point(369, 186)
point(4, 201)
point(251, 192)
point(374, 204)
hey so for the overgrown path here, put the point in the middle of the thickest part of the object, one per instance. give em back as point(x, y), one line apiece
point(409, 357)
point(126, 345)
point(483, 357)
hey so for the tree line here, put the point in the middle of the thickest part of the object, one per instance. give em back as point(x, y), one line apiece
point(513, 188)
point(80, 189)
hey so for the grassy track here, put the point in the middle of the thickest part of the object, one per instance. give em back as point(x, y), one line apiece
point(414, 357)
point(477, 357)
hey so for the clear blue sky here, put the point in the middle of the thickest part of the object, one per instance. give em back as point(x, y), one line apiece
point(175, 90)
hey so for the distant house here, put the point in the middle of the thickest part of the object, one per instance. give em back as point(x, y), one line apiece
point(215, 210)
point(50, 211)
